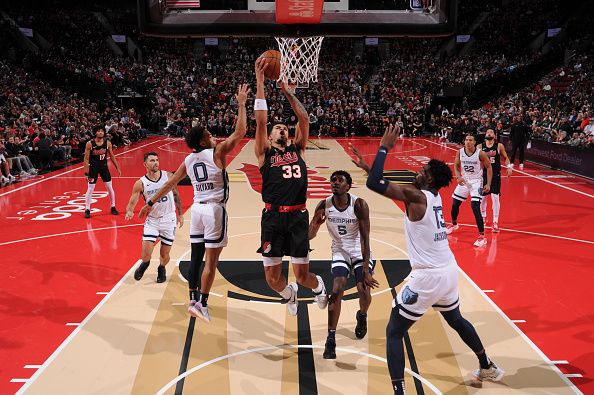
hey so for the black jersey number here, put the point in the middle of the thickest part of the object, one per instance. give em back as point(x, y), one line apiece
point(200, 172)
point(342, 230)
point(293, 171)
point(469, 169)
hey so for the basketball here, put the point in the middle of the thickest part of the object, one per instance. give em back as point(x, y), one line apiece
point(273, 58)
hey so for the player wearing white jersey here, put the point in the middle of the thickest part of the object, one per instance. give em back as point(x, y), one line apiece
point(208, 229)
point(347, 220)
point(434, 278)
point(468, 167)
point(161, 221)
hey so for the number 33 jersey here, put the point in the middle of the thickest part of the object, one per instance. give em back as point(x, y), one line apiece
point(426, 239)
point(210, 183)
point(343, 227)
point(284, 177)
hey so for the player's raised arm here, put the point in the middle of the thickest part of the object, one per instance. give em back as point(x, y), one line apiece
point(136, 191)
point(360, 162)
point(261, 110)
point(318, 219)
point(302, 128)
point(173, 181)
point(376, 181)
point(240, 128)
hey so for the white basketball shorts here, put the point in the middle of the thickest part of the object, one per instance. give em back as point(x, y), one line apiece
point(208, 224)
point(473, 187)
point(162, 228)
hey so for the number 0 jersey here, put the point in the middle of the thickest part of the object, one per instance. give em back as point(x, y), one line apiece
point(211, 184)
point(426, 239)
point(284, 177)
point(343, 227)
point(471, 165)
point(166, 205)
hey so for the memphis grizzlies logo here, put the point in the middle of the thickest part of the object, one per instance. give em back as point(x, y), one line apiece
point(409, 296)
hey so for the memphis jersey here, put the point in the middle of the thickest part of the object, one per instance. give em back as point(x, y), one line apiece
point(343, 227)
point(166, 204)
point(211, 184)
point(426, 239)
point(472, 168)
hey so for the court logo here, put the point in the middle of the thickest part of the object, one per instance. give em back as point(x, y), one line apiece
point(58, 207)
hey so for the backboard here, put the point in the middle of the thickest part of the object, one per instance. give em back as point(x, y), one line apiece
point(256, 18)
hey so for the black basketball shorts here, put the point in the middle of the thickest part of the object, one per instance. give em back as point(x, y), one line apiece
point(102, 171)
point(284, 234)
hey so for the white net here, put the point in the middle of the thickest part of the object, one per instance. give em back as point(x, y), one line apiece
point(299, 59)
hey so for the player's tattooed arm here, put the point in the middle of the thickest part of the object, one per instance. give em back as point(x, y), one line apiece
point(318, 219)
point(136, 191)
point(362, 213)
point(487, 165)
point(86, 158)
point(302, 128)
point(503, 153)
point(113, 158)
point(178, 204)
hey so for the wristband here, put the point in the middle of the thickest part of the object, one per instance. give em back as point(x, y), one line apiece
point(383, 149)
point(150, 203)
point(260, 104)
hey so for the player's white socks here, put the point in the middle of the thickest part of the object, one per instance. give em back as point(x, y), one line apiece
point(320, 286)
point(287, 292)
point(111, 193)
point(90, 189)
point(496, 207)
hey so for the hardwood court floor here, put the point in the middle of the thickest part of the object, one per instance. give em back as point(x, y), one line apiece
point(136, 337)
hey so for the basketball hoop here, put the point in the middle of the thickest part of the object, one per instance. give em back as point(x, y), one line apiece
point(299, 59)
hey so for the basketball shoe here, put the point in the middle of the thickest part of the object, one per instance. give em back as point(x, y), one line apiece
point(292, 302)
point(451, 228)
point(139, 272)
point(495, 227)
point(492, 373)
point(361, 328)
point(197, 310)
point(321, 298)
point(481, 241)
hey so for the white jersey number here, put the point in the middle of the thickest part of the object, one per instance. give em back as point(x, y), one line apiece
point(291, 171)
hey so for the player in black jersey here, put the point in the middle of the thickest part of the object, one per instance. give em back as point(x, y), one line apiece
point(95, 165)
point(495, 151)
point(285, 220)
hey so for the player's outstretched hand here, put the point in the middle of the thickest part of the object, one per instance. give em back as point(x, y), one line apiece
point(180, 221)
point(261, 65)
point(369, 281)
point(390, 136)
point(119, 171)
point(242, 94)
point(287, 89)
point(360, 162)
point(129, 215)
point(144, 211)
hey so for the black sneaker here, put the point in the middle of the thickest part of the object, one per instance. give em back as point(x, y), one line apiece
point(114, 211)
point(361, 328)
point(139, 272)
point(87, 213)
point(161, 276)
point(330, 349)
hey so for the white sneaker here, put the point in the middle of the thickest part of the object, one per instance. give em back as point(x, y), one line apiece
point(451, 228)
point(11, 178)
point(481, 241)
point(493, 373)
point(293, 303)
point(199, 311)
point(322, 297)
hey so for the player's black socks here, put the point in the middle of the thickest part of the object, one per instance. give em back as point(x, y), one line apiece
point(476, 210)
point(455, 210)
point(484, 360)
point(332, 335)
point(204, 299)
point(399, 387)
point(193, 294)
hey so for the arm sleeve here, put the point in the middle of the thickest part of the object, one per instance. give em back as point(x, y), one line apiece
point(376, 181)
